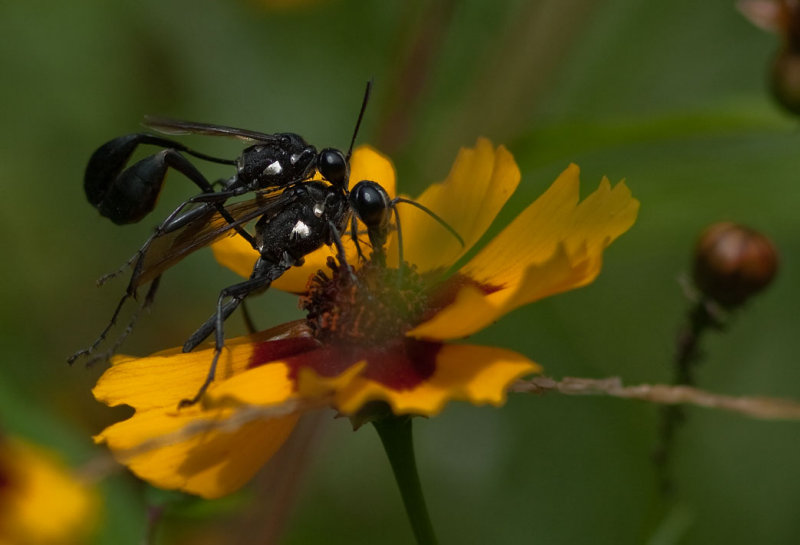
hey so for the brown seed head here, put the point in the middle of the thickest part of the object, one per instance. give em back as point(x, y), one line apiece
point(733, 262)
point(785, 80)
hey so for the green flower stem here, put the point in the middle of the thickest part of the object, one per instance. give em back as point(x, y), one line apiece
point(701, 318)
point(395, 434)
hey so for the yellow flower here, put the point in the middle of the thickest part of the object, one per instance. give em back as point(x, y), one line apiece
point(40, 502)
point(381, 338)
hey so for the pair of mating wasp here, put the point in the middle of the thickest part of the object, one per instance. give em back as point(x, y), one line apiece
point(294, 215)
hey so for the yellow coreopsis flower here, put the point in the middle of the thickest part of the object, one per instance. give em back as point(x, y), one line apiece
point(382, 337)
point(41, 502)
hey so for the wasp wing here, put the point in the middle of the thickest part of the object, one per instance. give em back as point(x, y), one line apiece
point(168, 249)
point(175, 126)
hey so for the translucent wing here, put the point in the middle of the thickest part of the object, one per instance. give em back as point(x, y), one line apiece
point(175, 126)
point(170, 248)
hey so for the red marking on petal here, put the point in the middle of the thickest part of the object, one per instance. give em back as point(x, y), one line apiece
point(445, 293)
point(5, 472)
point(5, 481)
point(401, 365)
point(280, 349)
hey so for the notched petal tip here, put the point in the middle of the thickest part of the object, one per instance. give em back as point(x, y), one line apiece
point(554, 245)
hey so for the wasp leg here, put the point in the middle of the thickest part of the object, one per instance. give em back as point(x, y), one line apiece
point(264, 273)
point(155, 168)
point(100, 338)
point(354, 235)
point(145, 305)
point(109, 160)
point(177, 219)
point(174, 221)
point(249, 324)
point(340, 252)
point(208, 327)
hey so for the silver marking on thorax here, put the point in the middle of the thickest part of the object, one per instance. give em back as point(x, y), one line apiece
point(300, 229)
point(318, 210)
point(273, 169)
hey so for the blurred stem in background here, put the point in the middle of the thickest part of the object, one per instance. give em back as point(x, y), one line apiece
point(499, 99)
point(731, 264)
point(700, 318)
point(419, 51)
point(514, 75)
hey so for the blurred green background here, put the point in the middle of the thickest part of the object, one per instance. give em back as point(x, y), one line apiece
point(671, 96)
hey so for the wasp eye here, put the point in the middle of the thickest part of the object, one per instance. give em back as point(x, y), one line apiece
point(371, 203)
point(333, 166)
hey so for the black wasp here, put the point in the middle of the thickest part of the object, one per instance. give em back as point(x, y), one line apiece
point(294, 215)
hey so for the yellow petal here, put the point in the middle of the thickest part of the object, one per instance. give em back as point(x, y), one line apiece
point(42, 503)
point(311, 385)
point(367, 163)
point(159, 447)
point(555, 245)
point(165, 378)
point(236, 254)
point(207, 449)
point(532, 237)
point(263, 385)
point(477, 374)
point(479, 184)
point(556, 218)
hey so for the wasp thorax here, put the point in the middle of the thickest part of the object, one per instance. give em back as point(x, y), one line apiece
point(376, 305)
point(733, 262)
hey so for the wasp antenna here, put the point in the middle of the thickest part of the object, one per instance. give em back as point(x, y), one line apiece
point(367, 92)
point(432, 214)
point(400, 264)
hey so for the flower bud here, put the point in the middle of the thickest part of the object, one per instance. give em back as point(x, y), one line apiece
point(733, 262)
point(785, 80)
point(781, 17)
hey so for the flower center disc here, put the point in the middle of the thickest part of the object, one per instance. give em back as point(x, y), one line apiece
point(367, 307)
